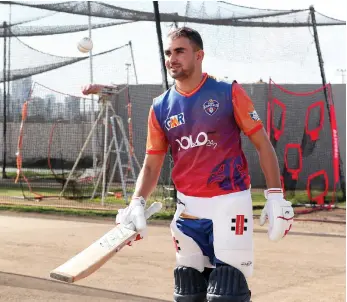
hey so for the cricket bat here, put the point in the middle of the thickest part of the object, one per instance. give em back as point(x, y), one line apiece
point(98, 253)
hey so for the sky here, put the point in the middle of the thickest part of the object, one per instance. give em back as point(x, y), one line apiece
point(245, 54)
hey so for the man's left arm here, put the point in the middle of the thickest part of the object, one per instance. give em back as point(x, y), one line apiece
point(267, 158)
point(250, 123)
point(278, 210)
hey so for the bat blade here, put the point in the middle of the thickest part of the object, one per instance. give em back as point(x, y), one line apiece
point(94, 256)
point(98, 253)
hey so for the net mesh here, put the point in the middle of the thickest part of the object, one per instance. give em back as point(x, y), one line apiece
point(55, 156)
point(22, 14)
point(54, 127)
point(238, 39)
point(37, 62)
point(227, 13)
point(289, 53)
point(57, 126)
point(301, 128)
point(19, 30)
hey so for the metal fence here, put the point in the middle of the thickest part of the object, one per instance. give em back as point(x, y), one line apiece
point(69, 135)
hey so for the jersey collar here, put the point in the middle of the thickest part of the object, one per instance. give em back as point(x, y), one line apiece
point(187, 95)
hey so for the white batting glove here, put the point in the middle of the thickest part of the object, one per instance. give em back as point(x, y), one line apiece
point(279, 212)
point(133, 216)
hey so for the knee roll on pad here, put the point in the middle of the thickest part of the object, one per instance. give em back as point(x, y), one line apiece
point(227, 284)
point(190, 285)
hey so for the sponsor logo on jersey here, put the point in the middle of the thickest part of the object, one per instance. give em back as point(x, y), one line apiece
point(211, 106)
point(254, 116)
point(187, 142)
point(175, 121)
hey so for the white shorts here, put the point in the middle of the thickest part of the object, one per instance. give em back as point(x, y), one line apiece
point(207, 231)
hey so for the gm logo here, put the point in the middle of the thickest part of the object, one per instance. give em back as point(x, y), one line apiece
point(174, 121)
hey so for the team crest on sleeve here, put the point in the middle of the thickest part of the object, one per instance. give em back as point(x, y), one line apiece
point(254, 115)
point(174, 121)
point(211, 106)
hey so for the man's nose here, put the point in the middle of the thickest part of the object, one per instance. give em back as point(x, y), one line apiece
point(172, 59)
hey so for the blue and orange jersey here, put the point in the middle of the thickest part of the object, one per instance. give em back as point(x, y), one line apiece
point(203, 129)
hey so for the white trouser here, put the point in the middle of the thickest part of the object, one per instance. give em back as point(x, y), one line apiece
point(232, 218)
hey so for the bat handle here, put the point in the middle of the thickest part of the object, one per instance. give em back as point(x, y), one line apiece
point(152, 209)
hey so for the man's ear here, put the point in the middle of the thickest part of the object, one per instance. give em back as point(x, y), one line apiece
point(200, 55)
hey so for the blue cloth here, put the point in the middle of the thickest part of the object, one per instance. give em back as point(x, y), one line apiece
point(201, 231)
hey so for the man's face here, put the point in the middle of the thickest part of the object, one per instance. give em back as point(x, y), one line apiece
point(181, 57)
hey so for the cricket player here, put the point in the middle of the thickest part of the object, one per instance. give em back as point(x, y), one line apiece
point(201, 119)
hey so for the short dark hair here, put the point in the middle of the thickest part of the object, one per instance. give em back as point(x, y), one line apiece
point(189, 33)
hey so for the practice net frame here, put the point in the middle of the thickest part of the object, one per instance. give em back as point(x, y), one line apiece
point(303, 130)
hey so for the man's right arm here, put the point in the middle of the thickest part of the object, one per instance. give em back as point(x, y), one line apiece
point(156, 148)
point(149, 175)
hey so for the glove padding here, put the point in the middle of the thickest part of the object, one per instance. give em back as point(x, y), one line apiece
point(133, 217)
point(280, 214)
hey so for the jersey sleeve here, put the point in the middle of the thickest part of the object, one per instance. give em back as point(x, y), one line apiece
point(156, 140)
point(245, 115)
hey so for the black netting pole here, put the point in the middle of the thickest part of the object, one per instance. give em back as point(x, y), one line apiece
point(4, 111)
point(161, 47)
point(319, 53)
point(9, 101)
point(321, 67)
point(165, 83)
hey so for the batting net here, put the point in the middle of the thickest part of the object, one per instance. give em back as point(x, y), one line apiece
point(303, 130)
point(37, 62)
point(55, 156)
point(53, 130)
point(236, 38)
